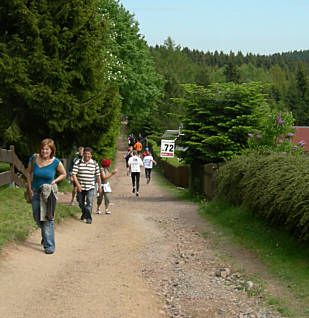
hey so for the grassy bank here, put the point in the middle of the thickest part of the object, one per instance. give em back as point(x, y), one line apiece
point(4, 166)
point(16, 221)
point(285, 258)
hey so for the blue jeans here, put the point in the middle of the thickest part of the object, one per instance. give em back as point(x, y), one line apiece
point(85, 207)
point(47, 227)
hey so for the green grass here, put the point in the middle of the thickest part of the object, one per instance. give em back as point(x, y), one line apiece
point(183, 194)
point(285, 257)
point(16, 221)
point(65, 186)
point(4, 166)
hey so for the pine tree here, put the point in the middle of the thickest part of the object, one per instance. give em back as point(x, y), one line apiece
point(52, 70)
point(218, 119)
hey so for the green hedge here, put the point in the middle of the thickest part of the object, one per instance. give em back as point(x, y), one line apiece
point(275, 187)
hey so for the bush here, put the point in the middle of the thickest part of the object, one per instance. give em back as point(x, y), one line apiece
point(274, 186)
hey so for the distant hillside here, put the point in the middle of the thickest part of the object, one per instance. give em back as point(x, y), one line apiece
point(296, 55)
point(290, 59)
point(285, 76)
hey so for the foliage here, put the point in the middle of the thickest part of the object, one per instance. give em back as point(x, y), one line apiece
point(16, 221)
point(276, 134)
point(274, 186)
point(286, 257)
point(218, 119)
point(297, 97)
point(231, 71)
point(175, 68)
point(285, 73)
point(4, 166)
point(52, 75)
point(131, 65)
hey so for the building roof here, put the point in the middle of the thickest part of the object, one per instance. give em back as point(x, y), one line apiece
point(171, 133)
point(302, 134)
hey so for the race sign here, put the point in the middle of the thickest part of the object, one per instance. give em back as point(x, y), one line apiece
point(167, 148)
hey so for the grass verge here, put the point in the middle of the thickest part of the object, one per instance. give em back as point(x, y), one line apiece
point(4, 166)
point(284, 257)
point(16, 221)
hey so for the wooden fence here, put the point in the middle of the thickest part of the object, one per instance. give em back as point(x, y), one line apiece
point(177, 175)
point(17, 169)
point(203, 179)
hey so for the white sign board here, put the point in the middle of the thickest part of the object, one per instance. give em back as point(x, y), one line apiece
point(167, 148)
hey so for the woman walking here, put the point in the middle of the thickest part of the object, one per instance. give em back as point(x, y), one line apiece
point(43, 189)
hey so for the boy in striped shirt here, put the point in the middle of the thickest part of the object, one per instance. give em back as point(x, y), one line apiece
point(84, 173)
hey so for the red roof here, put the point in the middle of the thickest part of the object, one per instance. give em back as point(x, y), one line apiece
point(302, 134)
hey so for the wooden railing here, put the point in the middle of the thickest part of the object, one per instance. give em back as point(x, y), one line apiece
point(12, 177)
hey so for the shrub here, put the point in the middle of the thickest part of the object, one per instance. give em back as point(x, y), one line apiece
point(275, 135)
point(274, 186)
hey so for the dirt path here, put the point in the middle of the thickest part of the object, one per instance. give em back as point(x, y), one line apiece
point(145, 260)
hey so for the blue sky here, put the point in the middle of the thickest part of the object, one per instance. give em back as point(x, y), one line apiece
point(256, 26)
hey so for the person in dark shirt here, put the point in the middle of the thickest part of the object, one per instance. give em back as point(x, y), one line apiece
point(78, 156)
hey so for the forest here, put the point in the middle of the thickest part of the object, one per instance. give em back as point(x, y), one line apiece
point(72, 71)
point(285, 75)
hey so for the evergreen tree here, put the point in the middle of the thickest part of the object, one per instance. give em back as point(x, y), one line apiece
point(52, 72)
point(297, 96)
point(231, 72)
point(302, 81)
point(218, 119)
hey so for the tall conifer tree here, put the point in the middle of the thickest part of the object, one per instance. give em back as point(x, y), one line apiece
point(52, 70)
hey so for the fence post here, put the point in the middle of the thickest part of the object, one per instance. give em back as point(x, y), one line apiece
point(12, 167)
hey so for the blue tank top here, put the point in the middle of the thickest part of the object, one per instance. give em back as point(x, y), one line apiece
point(43, 175)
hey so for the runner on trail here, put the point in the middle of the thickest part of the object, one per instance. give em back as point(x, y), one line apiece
point(106, 189)
point(140, 138)
point(84, 172)
point(138, 146)
point(127, 156)
point(131, 140)
point(78, 156)
point(145, 152)
point(148, 163)
point(135, 164)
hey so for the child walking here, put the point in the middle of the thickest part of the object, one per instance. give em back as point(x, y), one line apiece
point(106, 189)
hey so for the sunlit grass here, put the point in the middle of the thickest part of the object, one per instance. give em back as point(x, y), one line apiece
point(285, 257)
point(16, 221)
point(4, 167)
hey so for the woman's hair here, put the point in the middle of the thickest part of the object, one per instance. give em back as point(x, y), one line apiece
point(50, 143)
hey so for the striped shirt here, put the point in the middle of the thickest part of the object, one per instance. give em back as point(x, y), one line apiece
point(86, 173)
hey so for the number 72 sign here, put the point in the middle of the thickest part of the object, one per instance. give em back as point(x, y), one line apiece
point(167, 148)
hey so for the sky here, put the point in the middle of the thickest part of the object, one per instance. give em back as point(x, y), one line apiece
point(249, 26)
